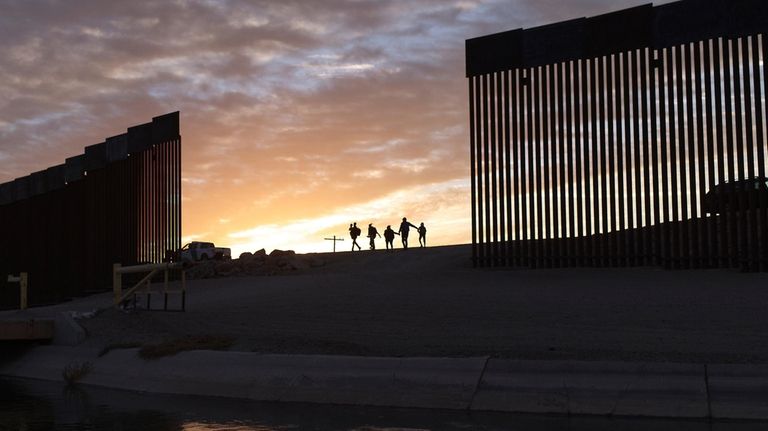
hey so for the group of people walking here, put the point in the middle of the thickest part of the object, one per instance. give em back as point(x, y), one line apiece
point(389, 234)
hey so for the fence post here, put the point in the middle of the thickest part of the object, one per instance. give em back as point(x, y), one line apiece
point(117, 282)
point(23, 277)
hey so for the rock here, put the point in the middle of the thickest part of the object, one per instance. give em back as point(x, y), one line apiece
point(260, 254)
point(246, 255)
point(251, 266)
point(225, 268)
point(282, 253)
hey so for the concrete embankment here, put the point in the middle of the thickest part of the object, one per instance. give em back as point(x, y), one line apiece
point(476, 384)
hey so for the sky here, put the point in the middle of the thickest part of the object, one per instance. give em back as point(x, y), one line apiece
point(298, 117)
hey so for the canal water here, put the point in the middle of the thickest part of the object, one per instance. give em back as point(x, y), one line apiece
point(30, 405)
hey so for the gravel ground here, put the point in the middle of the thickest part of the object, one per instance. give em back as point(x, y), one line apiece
point(429, 302)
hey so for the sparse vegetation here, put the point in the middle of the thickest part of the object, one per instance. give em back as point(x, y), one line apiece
point(170, 348)
point(114, 346)
point(75, 372)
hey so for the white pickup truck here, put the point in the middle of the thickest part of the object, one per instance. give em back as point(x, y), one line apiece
point(197, 250)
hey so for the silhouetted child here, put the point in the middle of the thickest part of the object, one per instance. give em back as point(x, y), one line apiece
point(372, 232)
point(405, 226)
point(422, 235)
point(389, 236)
point(354, 232)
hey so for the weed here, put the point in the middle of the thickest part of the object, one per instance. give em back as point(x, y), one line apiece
point(75, 371)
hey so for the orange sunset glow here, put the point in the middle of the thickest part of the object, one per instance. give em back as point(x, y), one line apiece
point(297, 117)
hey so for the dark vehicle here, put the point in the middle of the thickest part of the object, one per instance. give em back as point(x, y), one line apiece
point(197, 250)
point(737, 195)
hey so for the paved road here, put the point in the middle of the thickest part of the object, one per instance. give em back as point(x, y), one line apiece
point(429, 302)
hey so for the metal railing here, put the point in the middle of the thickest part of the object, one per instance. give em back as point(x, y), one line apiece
point(152, 270)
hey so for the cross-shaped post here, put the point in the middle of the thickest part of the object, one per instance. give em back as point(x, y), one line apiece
point(334, 239)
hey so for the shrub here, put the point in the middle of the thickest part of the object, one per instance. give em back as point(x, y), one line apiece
point(75, 371)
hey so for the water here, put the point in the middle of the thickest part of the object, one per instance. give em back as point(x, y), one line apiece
point(28, 405)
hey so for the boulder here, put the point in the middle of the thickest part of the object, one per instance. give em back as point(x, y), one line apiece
point(246, 255)
point(282, 253)
point(260, 254)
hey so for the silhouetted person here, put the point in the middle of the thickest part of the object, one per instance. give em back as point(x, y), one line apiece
point(372, 232)
point(389, 236)
point(405, 226)
point(354, 232)
point(422, 235)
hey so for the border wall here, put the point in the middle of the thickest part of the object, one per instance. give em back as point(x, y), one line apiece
point(632, 138)
point(119, 201)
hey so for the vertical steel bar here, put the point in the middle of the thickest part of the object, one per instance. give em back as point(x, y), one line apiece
point(615, 143)
point(508, 135)
point(626, 219)
point(545, 163)
point(578, 77)
point(741, 226)
point(624, 160)
point(562, 227)
point(473, 188)
point(494, 226)
point(504, 196)
point(732, 251)
point(484, 163)
point(637, 73)
point(518, 162)
point(723, 222)
point(664, 87)
point(568, 125)
point(676, 147)
point(604, 127)
point(537, 168)
point(712, 219)
point(594, 163)
point(693, 143)
point(530, 167)
point(479, 100)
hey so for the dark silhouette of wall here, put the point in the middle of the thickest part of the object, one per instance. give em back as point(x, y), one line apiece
point(594, 142)
point(120, 201)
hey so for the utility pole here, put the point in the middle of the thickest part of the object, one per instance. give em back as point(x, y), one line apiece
point(334, 239)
